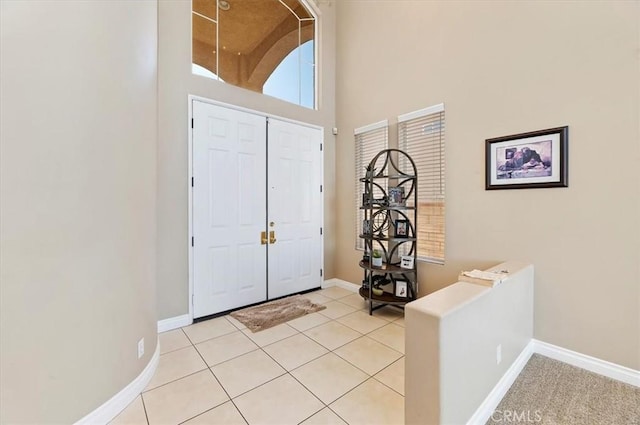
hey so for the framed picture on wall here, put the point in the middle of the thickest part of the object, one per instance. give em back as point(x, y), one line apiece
point(538, 159)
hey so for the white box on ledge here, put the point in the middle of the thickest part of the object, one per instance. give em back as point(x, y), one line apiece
point(485, 278)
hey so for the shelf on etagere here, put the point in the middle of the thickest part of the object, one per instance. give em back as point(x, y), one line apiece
point(390, 176)
point(385, 268)
point(388, 238)
point(394, 208)
point(385, 298)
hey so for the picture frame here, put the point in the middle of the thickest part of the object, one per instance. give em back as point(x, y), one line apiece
point(406, 262)
point(401, 228)
point(395, 196)
point(401, 289)
point(367, 228)
point(537, 159)
point(366, 200)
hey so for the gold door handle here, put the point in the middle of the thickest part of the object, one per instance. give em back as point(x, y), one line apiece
point(272, 237)
point(263, 238)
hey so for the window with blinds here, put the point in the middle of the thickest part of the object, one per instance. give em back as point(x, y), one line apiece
point(421, 135)
point(369, 140)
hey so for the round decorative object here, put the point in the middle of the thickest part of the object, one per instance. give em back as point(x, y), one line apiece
point(377, 291)
point(380, 221)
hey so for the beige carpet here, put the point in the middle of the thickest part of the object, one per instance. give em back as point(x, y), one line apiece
point(551, 392)
point(265, 316)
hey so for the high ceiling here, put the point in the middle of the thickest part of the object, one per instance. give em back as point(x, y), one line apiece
point(253, 35)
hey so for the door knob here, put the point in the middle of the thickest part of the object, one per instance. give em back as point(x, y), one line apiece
point(263, 238)
point(272, 237)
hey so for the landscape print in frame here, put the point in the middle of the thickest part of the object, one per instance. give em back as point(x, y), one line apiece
point(537, 159)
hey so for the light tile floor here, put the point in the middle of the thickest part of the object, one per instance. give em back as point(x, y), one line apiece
point(337, 366)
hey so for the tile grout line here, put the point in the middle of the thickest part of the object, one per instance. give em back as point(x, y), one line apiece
point(240, 355)
point(144, 407)
point(228, 395)
point(218, 336)
point(386, 367)
point(303, 364)
point(310, 392)
point(221, 386)
point(362, 370)
point(379, 381)
point(179, 348)
point(289, 372)
point(191, 374)
point(369, 376)
point(215, 337)
point(231, 399)
point(177, 379)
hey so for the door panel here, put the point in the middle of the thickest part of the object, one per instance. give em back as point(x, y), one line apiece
point(229, 198)
point(295, 207)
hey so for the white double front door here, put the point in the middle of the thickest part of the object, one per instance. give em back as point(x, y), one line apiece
point(256, 208)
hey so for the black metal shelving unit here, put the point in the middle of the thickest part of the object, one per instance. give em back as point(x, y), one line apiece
point(390, 221)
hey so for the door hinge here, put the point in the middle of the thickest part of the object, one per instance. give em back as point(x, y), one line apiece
point(191, 181)
point(320, 188)
point(191, 122)
point(320, 272)
point(320, 147)
point(192, 297)
point(321, 230)
point(192, 241)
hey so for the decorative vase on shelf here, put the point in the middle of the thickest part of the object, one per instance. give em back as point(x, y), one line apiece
point(376, 258)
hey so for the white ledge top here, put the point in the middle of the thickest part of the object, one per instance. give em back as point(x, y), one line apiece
point(449, 299)
point(443, 302)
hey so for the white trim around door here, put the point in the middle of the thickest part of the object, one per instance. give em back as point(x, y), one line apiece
point(191, 100)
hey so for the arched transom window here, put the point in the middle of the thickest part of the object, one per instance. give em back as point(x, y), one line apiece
point(266, 46)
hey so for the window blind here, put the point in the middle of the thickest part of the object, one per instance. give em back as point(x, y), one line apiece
point(369, 140)
point(421, 134)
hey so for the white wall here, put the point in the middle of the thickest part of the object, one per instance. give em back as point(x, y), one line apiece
point(503, 68)
point(77, 215)
point(175, 83)
point(452, 337)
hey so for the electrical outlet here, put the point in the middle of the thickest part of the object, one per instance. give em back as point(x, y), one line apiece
point(141, 348)
point(499, 354)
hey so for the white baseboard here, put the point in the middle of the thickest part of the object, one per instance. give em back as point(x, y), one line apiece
point(340, 283)
point(488, 406)
point(174, 323)
point(116, 404)
point(592, 364)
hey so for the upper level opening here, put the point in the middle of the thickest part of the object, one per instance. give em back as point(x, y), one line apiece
point(267, 46)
